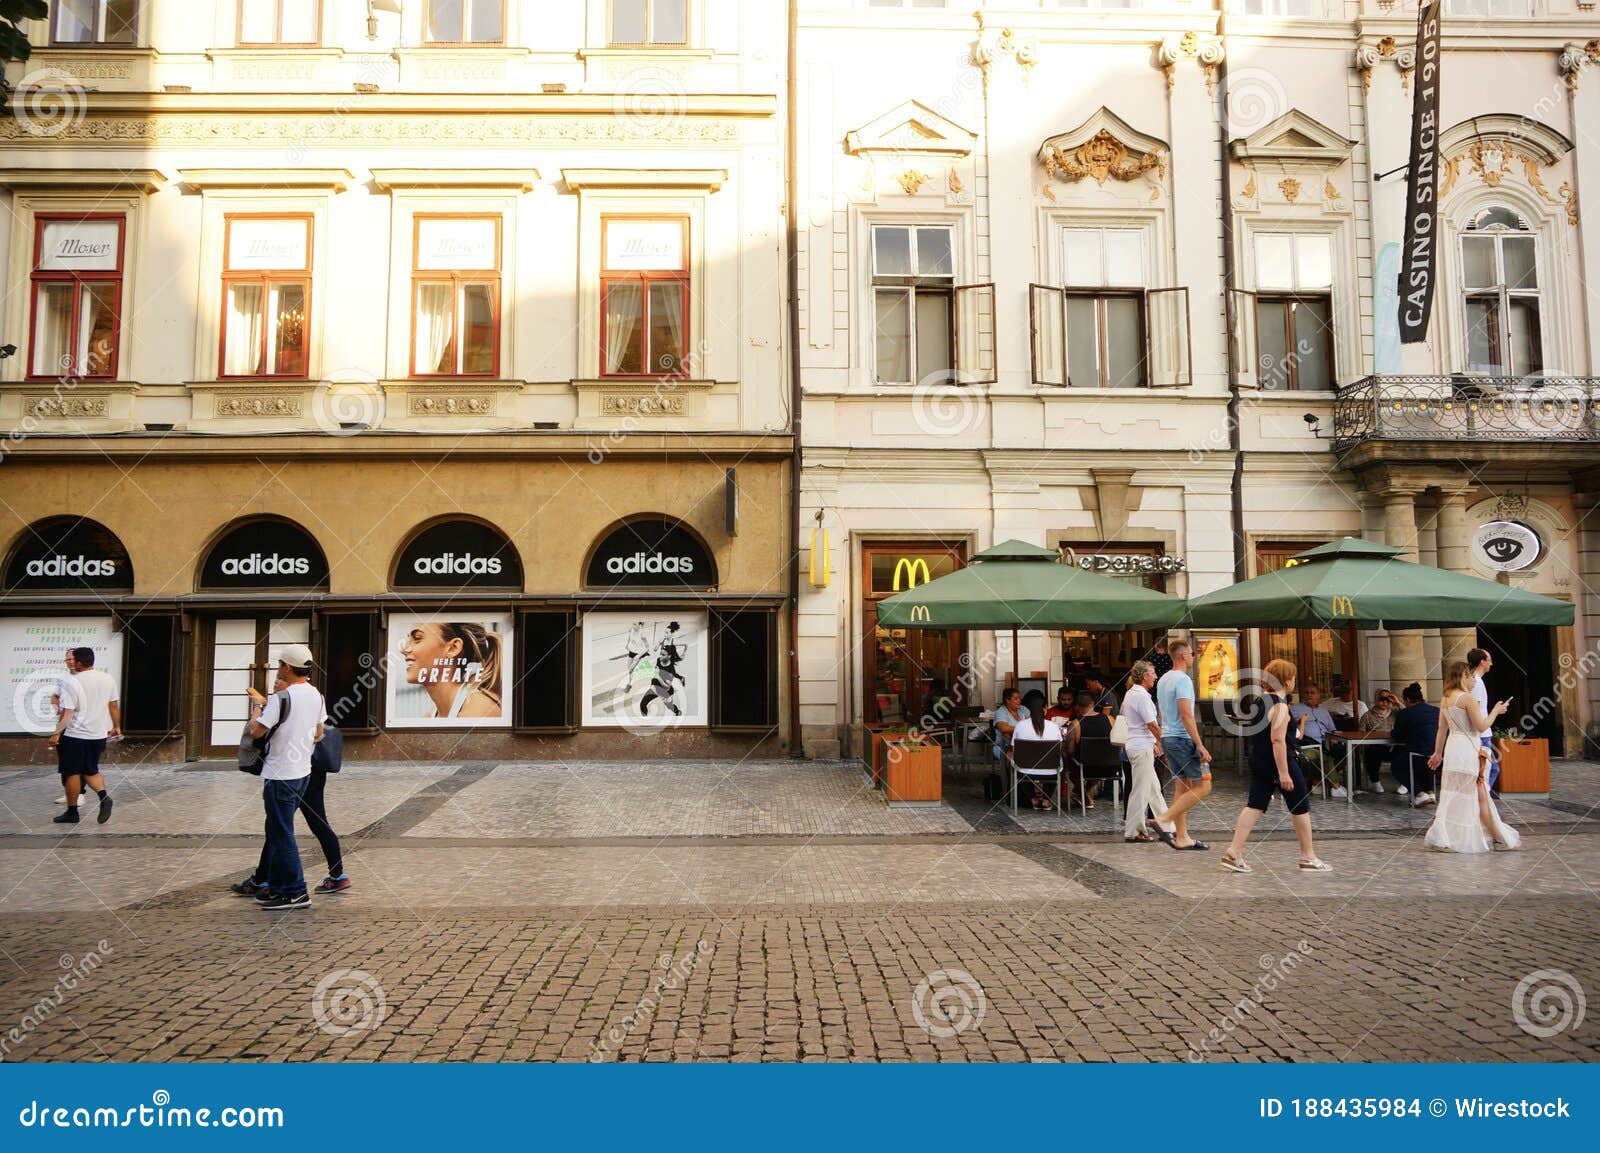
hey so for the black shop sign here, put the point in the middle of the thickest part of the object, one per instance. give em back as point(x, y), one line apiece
point(265, 554)
point(68, 553)
point(459, 554)
point(651, 553)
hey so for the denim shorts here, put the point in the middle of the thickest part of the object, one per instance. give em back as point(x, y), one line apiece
point(1183, 759)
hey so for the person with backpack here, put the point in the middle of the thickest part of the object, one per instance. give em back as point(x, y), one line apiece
point(291, 723)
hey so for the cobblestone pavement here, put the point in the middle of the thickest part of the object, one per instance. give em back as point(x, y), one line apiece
point(649, 924)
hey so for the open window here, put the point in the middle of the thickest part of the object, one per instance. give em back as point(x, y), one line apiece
point(1104, 328)
point(1244, 350)
point(927, 329)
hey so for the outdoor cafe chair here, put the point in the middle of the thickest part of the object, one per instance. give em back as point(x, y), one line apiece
point(1035, 759)
point(1097, 759)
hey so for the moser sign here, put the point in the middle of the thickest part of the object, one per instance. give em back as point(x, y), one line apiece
point(459, 554)
point(265, 554)
point(1506, 546)
point(1420, 251)
point(651, 553)
point(65, 553)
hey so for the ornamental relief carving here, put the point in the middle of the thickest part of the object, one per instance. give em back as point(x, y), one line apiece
point(65, 407)
point(1101, 157)
point(1493, 160)
point(629, 404)
point(457, 404)
point(257, 404)
point(283, 131)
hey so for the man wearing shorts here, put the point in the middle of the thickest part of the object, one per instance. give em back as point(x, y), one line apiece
point(1188, 759)
point(89, 714)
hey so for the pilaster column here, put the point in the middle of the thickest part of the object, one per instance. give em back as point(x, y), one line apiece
point(1400, 530)
point(1587, 503)
point(1454, 556)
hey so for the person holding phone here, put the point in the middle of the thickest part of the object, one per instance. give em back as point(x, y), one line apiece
point(1466, 820)
point(1479, 662)
point(292, 718)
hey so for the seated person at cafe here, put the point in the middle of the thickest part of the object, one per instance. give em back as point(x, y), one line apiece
point(1036, 726)
point(1310, 723)
point(1345, 704)
point(1415, 729)
point(1063, 709)
point(1102, 694)
point(1377, 719)
point(1006, 719)
point(1090, 723)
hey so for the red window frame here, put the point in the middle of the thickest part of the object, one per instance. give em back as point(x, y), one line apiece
point(280, 276)
point(421, 276)
point(645, 280)
point(76, 277)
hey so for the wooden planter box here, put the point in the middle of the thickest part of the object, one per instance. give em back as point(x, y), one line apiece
point(877, 749)
point(913, 772)
point(1524, 765)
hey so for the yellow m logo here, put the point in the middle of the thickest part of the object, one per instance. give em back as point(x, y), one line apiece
point(908, 568)
point(921, 613)
point(1343, 607)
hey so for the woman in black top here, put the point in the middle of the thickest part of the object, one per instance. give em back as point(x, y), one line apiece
point(1274, 765)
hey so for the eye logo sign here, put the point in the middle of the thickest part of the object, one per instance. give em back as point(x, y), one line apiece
point(1506, 546)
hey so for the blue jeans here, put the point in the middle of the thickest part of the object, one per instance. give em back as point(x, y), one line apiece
point(282, 800)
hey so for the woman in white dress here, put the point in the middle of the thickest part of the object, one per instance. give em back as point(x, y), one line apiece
point(1466, 820)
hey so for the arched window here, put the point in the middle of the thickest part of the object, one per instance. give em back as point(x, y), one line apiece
point(1500, 283)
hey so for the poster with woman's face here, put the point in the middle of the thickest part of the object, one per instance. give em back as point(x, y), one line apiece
point(644, 670)
point(448, 670)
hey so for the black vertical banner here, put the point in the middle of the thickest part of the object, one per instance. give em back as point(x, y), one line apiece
point(1420, 255)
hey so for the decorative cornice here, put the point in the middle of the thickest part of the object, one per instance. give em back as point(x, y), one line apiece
point(601, 179)
point(98, 179)
point(253, 403)
point(214, 179)
point(48, 406)
point(1294, 142)
point(451, 403)
point(519, 179)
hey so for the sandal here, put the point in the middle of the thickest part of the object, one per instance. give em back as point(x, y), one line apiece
point(1317, 866)
point(1161, 834)
point(1141, 839)
point(1236, 864)
point(1195, 847)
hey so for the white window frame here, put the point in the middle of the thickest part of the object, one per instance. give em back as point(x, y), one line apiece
point(1344, 306)
point(649, 16)
point(504, 39)
point(1506, 294)
point(140, 11)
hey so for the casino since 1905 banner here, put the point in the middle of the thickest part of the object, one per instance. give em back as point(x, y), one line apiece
point(1419, 247)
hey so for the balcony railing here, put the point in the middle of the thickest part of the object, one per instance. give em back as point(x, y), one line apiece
point(1482, 408)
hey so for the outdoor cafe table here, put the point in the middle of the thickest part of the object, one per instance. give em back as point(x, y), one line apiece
point(1351, 743)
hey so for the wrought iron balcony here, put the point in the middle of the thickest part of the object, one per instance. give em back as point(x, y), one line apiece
point(1563, 409)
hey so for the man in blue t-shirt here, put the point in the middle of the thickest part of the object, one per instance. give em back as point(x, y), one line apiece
point(1188, 759)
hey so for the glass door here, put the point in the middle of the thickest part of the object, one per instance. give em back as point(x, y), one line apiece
point(904, 669)
point(244, 655)
point(1319, 655)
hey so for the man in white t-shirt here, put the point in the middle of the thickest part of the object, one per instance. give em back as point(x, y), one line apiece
point(1479, 662)
point(293, 718)
point(1144, 730)
point(90, 713)
point(61, 690)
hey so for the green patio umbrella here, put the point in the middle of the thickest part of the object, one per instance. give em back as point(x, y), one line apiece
point(1353, 583)
point(1022, 586)
point(1015, 586)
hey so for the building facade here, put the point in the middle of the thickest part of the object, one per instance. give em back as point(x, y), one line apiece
point(1120, 278)
point(447, 336)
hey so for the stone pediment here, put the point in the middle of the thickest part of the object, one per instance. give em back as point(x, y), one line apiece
point(1293, 142)
point(911, 127)
point(1104, 147)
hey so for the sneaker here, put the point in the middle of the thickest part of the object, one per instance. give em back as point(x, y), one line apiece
point(334, 884)
point(1377, 786)
point(249, 887)
point(1338, 791)
point(104, 814)
point(68, 817)
point(1402, 790)
point(263, 895)
point(280, 904)
point(1422, 799)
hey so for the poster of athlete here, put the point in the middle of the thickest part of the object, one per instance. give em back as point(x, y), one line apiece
point(644, 668)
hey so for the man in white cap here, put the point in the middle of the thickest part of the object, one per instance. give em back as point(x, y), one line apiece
point(293, 717)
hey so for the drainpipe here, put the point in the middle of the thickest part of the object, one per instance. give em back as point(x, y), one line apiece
point(1229, 283)
point(792, 240)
